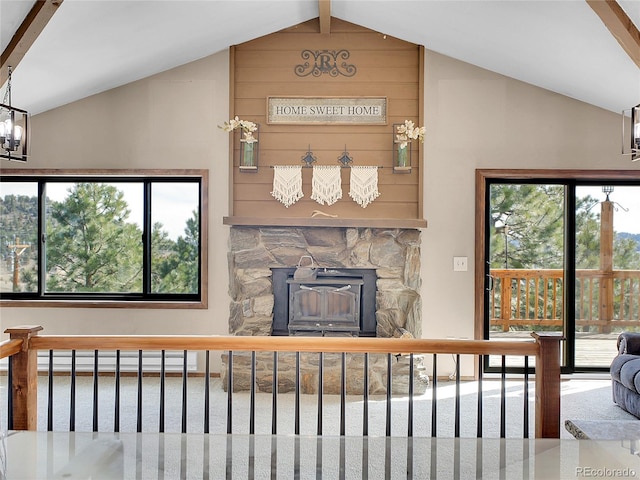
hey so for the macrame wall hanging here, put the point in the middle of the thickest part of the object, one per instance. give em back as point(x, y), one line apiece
point(326, 184)
point(287, 184)
point(364, 185)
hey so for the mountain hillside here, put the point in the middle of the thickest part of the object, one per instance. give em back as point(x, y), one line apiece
point(633, 236)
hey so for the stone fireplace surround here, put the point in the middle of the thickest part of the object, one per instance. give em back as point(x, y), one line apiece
point(394, 253)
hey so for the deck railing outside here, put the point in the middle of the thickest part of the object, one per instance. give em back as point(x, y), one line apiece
point(25, 341)
point(524, 299)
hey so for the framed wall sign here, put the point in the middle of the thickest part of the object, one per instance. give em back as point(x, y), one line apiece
point(327, 110)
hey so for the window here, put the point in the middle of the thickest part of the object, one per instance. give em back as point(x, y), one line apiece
point(120, 237)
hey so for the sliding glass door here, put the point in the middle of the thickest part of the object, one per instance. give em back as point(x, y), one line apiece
point(562, 255)
point(607, 275)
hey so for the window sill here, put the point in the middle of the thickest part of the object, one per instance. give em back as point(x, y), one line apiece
point(201, 305)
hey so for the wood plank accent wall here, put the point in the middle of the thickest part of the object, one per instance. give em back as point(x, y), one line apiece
point(386, 67)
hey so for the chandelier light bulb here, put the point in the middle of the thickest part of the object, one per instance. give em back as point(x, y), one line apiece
point(5, 133)
point(10, 135)
point(17, 130)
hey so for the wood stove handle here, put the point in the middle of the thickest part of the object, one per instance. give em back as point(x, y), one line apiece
point(341, 289)
point(304, 287)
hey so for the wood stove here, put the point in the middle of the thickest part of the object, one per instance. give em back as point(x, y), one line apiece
point(336, 302)
point(326, 305)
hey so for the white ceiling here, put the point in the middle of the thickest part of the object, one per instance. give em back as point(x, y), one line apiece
point(90, 46)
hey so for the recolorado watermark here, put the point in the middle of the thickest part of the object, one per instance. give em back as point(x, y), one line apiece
point(604, 472)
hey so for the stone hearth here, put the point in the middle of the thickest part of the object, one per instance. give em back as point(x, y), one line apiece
point(393, 253)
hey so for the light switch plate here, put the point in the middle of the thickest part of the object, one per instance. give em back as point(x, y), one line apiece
point(460, 264)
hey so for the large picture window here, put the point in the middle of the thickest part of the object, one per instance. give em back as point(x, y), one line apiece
point(121, 237)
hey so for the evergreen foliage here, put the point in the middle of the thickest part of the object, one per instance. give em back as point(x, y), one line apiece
point(533, 237)
point(90, 245)
point(93, 247)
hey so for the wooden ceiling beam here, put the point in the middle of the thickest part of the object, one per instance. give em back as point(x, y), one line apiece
point(23, 39)
point(324, 8)
point(620, 26)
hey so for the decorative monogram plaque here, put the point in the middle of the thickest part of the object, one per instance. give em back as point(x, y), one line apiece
point(330, 62)
point(327, 110)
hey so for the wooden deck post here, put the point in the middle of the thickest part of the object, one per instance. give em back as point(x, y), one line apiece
point(505, 303)
point(24, 387)
point(606, 265)
point(548, 384)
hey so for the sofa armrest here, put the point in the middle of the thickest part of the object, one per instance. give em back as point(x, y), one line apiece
point(629, 342)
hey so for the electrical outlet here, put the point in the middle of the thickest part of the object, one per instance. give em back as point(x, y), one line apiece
point(460, 264)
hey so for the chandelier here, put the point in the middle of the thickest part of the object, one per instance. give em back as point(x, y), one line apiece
point(634, 134)
point(14, 128)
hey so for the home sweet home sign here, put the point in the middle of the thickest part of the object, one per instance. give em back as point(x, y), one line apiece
point(324, 110)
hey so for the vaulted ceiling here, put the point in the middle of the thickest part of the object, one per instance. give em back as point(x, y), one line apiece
point(586, 49)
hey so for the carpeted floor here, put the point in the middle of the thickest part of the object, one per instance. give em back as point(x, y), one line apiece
point(582, 398)
point(198, 456)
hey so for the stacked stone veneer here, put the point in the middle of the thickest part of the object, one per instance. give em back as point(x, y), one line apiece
point(393, 253)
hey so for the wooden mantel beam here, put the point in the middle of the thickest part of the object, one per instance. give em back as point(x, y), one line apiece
point(620, 26)
point(31, 27)
point(324, 8)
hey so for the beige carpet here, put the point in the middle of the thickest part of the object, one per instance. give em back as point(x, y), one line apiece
point(588, 399)
point(352, 457)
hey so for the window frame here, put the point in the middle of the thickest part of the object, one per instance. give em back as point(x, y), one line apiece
point(146, 299)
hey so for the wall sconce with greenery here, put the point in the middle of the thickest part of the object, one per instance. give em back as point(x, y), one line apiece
point(403, 135)
point(248, 142)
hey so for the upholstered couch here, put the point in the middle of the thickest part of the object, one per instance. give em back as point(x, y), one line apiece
point(625, 373)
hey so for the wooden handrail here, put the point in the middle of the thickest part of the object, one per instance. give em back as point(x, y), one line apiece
point(558, 272)
point(26, 343)
point(10, 347)
point(283, 344)
point(532, 298)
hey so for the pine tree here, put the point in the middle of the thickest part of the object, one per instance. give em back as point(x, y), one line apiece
point(90, 246)
point(527, 230)
point(178, 270)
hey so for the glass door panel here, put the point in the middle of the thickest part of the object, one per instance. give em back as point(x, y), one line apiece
point(525, 233)
point(607, 292)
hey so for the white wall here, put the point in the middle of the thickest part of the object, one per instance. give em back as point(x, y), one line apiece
point(477, 119)
point(165, 121)
point(474, 119)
